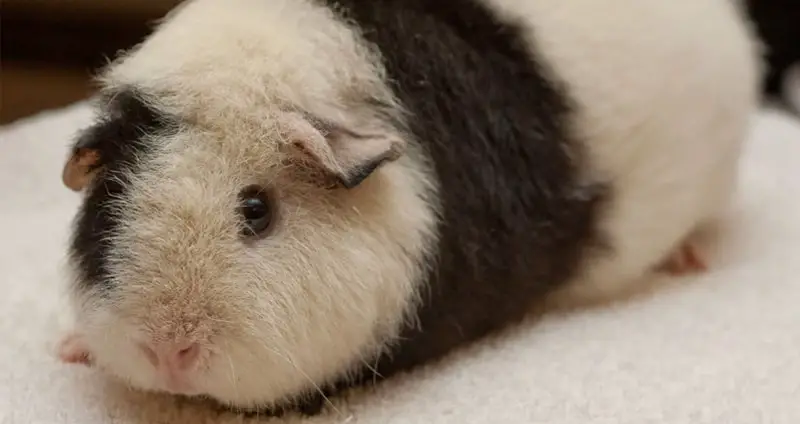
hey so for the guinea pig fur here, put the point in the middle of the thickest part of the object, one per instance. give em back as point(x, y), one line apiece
point(286, 196)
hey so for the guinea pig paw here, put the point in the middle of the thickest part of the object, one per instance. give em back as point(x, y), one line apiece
point(688, 258)
point(73, 350)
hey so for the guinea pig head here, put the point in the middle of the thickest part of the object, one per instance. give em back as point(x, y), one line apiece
point(246, 261)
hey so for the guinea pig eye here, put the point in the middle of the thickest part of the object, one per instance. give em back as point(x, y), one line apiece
point(256, 211)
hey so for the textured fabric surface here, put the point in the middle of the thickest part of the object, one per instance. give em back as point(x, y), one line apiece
point(723, 347)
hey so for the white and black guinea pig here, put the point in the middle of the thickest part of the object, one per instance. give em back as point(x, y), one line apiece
point(293, 195)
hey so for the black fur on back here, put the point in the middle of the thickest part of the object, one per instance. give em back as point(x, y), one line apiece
point(119, 137)
point(517, 217)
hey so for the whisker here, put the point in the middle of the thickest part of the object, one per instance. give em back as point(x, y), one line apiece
point(316, 386)
point(375, 374)
point(234, 380)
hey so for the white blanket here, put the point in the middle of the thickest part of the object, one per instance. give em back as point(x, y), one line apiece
point(723, 347)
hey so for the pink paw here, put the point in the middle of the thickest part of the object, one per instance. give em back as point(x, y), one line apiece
point(73, 350)
point(686, 259)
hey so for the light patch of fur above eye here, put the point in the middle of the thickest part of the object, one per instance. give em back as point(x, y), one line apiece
point(340, 75)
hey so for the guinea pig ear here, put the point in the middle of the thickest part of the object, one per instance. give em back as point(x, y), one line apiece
point(83, 163)
point(346, 155)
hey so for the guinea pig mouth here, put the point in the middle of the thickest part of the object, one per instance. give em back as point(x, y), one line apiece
point(179, 388)
point(176, 383)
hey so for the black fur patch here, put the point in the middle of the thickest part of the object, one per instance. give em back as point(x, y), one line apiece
point(517, 220)
point(118, 137)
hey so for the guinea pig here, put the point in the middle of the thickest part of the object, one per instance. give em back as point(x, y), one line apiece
point(283, 197)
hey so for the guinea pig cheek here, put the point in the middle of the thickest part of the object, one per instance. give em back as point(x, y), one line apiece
point(142, 355)
point(93, 344)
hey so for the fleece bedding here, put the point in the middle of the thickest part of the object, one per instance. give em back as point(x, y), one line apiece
point(720, 347)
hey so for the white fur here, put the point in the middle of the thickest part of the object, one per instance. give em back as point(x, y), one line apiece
point(665, 92)
point(665, 89)
point(331, 285)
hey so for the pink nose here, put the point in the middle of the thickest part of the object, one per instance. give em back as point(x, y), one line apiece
point(172, 356)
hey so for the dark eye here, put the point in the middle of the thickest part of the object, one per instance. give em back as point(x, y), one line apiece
point(256, 210)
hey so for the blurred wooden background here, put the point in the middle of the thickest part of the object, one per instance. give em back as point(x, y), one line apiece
point(50, 48)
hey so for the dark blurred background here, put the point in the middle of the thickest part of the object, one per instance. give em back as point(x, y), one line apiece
point(50, 48)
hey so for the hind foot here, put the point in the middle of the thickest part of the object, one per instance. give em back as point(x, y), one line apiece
point(688, 258)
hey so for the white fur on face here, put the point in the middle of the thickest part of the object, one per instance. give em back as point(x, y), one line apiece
point(222, 62)
point(331, 284)
point(665, 92)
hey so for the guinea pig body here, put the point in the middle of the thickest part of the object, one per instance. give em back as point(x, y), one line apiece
point(286, 195)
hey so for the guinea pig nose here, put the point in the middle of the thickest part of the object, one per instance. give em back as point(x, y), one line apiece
point(175, 356)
